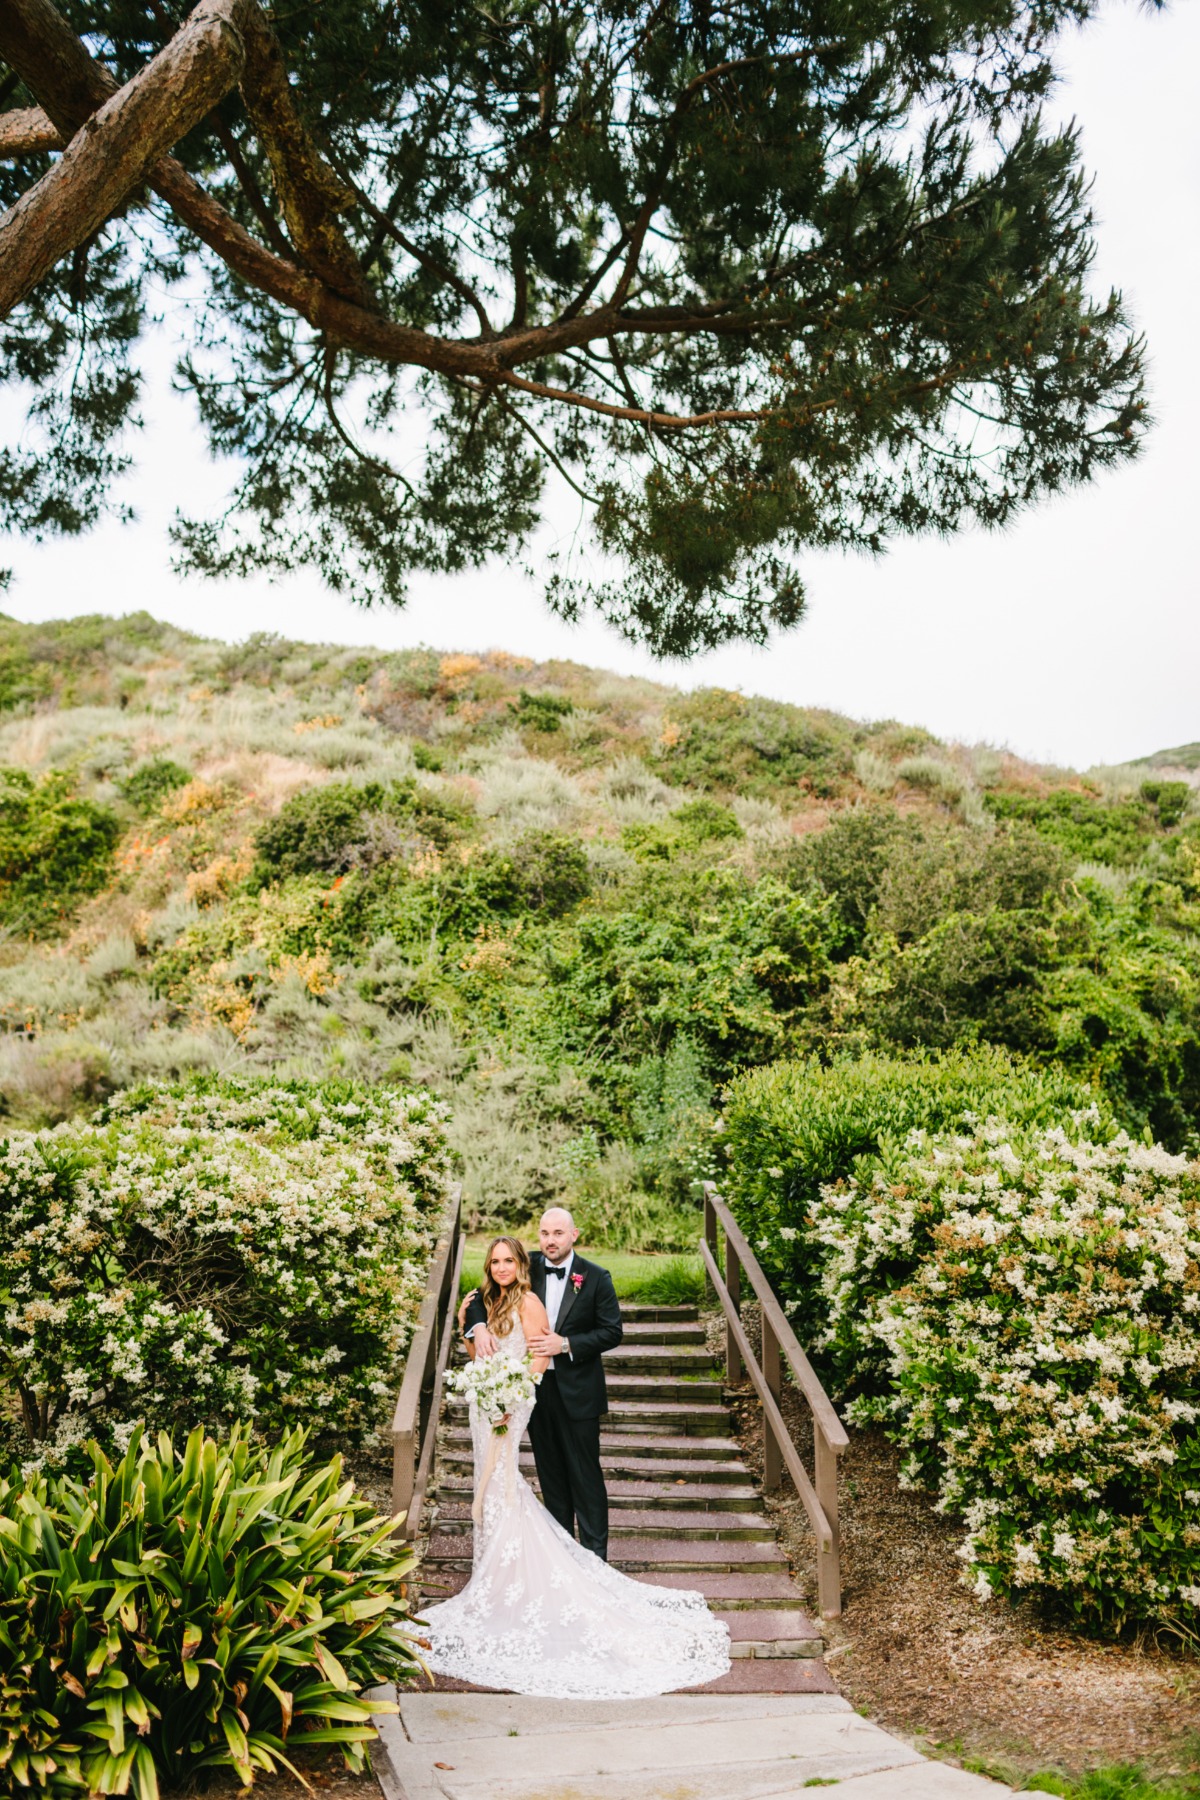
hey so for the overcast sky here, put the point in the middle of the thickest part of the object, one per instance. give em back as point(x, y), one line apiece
point(1074, 637)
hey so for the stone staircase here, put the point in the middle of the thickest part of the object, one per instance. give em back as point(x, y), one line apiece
point(685, 1511)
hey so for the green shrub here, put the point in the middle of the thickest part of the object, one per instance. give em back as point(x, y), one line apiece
point(1168, 798)
point(673, 1121)
point(1021, 1308)
point(149, 784)
point(329, 829)
point(552, 873)
point(1117, 1782)
point(1087, 828)
point(541, 712)
point(703, 821)
point(744, 744)
point(848, 861)
point(709, 952)
point(611, 1208)
point(56, 848)
point(679, 1282)
point(794, 1127)
point(1122, 1002)
point(219, 1251)
point(933, 872)
point(175, 1614)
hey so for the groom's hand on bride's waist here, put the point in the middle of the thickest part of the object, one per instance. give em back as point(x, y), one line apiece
point(550, 1344)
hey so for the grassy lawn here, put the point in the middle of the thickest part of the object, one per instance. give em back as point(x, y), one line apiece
point(635, 1275)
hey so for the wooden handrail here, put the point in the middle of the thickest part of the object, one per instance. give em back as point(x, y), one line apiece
point(414, 1423)
point(818, 1494)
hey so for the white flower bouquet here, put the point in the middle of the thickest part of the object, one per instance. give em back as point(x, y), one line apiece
point(497, 1384)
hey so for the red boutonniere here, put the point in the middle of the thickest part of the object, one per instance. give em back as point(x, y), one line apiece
point(577, 1282)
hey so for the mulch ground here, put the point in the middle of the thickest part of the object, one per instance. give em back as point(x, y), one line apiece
point(915, 1650)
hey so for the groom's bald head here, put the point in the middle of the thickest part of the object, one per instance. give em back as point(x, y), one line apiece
point(557, 1232)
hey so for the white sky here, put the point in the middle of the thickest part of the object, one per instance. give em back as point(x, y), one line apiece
point(1074, 637)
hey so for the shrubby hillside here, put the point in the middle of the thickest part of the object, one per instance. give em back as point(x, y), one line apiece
point(572, 904)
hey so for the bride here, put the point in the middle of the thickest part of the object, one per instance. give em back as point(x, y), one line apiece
point(540, 1614)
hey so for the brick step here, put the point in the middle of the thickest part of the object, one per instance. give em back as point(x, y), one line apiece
point(658, 1359)
point(684, 1421)
point(635, 1555)
point(731, 1592)
point(700, 1496)
point(686, 1388)
point(772, 1675)
point(771, 1634)
point(635, 1311)
point(631, 1468)
point(663, 1332)
point(456, 1439)
point(754, 1595)
point(682, 1526)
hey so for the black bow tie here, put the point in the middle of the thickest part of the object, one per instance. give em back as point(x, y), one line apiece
point(559, 1274)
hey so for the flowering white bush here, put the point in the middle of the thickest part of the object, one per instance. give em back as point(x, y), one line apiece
point(497, 1384)
point(1024, 1313)
point(233, 1250)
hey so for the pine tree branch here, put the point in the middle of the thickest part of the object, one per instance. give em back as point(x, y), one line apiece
point(56, 66)
point(310, 194)
point(27, 131)
point(638, 415)
point(112, 152)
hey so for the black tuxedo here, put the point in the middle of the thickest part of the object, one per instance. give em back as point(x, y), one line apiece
point(565, 1427)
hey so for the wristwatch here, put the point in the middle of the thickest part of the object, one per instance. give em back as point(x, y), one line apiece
point(566, 1349)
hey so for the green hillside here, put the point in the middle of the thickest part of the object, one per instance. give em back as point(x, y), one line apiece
point(573, 903)
point(1183, 756)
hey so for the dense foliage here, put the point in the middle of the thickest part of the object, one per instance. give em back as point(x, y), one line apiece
point(578, 921)
point(795, 1128)
point(745, 279)
point(227, 1251)
point(1020, 1308)
point(56, 847)
point(177, 1612)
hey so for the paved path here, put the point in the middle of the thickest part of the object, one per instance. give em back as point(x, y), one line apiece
point(682, 1747)
point(685, 1513)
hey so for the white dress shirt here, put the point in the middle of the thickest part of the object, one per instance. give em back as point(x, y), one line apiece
point(556, 1289)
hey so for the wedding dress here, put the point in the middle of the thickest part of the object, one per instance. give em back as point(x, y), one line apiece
point(542, 1615)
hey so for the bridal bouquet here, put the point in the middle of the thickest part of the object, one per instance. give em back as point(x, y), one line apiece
point(498, 1385)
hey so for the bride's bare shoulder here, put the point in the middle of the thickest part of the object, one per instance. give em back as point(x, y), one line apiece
point(534, 1317)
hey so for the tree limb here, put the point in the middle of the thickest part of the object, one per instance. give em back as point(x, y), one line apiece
point(27, 131)
point(109, 157)
point(58, 69)
point(310, 193)
point(638, 415)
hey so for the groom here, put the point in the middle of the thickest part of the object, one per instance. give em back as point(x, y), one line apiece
point(581, 1304)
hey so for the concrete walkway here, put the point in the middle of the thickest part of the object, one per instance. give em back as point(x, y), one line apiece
point(681, 1747)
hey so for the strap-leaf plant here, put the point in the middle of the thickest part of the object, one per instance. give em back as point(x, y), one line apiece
point(227, 1606)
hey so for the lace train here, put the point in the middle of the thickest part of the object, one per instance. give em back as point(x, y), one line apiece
point(541, 1615)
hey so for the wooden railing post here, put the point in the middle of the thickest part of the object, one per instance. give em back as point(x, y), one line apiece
point(829, 1561)
point(733, 1282)
point(414, 1423)
point(765, 1374)
point(772, 1450)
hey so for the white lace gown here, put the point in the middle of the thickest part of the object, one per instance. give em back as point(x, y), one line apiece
point(542, 1615)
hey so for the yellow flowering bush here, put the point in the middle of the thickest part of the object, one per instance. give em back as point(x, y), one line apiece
point(1023, 1312)
point(208, 1253)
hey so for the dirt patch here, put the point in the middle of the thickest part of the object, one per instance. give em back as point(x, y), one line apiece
point(915, 1650)
point(325, 1776)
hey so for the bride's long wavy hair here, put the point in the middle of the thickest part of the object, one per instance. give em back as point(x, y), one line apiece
point(504, 1303)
